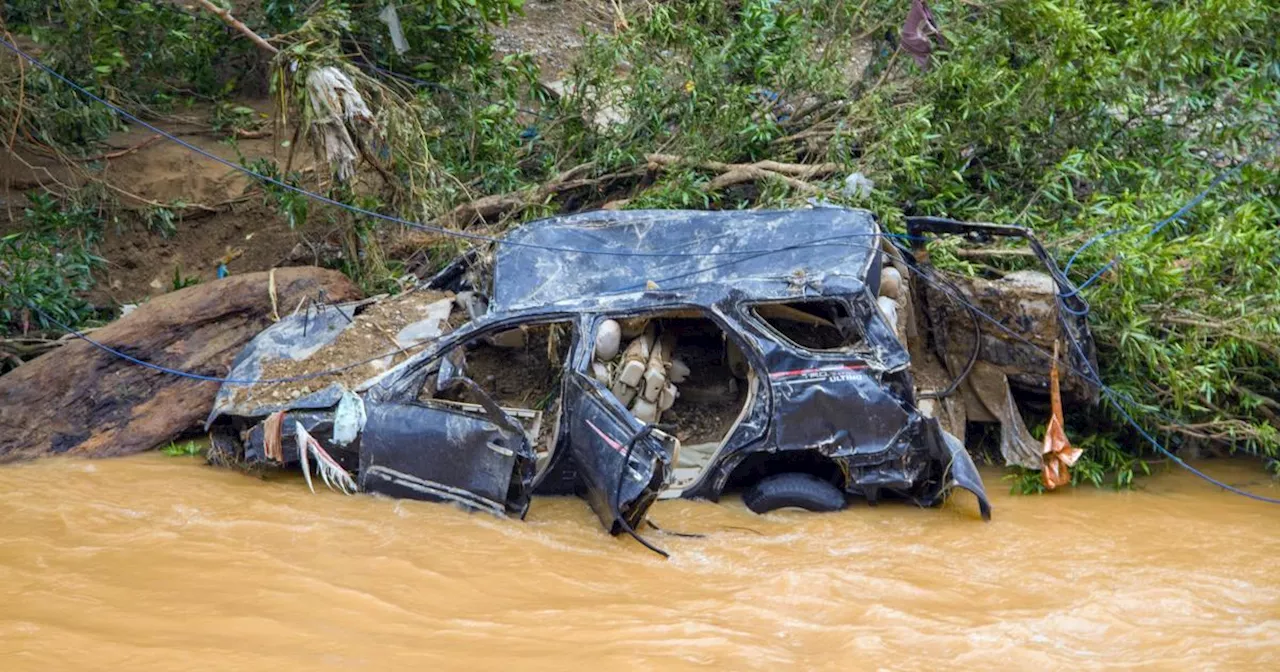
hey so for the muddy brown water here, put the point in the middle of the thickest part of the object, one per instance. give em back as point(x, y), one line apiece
point(156, 563)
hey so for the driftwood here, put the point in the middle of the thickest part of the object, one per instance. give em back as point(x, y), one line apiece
point(79, 400)
point(794, 174)
point(497, 205)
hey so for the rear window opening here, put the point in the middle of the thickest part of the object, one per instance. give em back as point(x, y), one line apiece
point(680, 370)
point(821, 324)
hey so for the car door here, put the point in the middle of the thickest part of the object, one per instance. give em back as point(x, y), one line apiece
point(622, 464)
point(476, 455)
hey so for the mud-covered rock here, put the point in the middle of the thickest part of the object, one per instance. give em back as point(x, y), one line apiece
point(1025, 302)
point(80, 400)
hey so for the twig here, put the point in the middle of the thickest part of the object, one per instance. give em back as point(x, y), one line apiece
point(496, 205)
point(225, 15)
point(123, 152)
point(993, 252)
point(22, 93)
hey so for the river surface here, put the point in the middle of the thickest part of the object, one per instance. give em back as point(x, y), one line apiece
point(158, 563)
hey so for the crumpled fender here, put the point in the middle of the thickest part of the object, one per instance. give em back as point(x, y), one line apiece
point(962, 472)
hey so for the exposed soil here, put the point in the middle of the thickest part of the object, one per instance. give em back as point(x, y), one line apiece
point(372, 332)
point(705, 421)
point(142, 263)
point(218, 213)
point(527, 376)
point(551, 31)
point(711, 398)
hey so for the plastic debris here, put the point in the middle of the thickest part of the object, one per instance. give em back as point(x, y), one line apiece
point(920, 32)
point(857, 185)
point(1059, 455)
point(389, 16)
point(348, 418)
point(341, 118)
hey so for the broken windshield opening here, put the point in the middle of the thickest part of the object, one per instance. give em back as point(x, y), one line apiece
point(680, 370)
point(813, 324)
point(519, 369)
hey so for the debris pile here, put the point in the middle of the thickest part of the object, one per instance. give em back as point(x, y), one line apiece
point(396, 326)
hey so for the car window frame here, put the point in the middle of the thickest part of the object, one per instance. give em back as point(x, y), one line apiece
point(865, 353)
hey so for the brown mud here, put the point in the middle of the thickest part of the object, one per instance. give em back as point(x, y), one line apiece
point(372, 331)
point(151, 563)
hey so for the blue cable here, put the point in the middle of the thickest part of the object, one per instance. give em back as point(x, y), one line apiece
point(1158, 226)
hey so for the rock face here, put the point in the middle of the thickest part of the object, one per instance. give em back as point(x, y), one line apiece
point(80, 400)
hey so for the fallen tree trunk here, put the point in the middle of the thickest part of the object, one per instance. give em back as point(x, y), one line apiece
point(80, 400)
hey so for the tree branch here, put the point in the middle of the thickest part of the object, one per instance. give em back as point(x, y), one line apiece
point(237, 24)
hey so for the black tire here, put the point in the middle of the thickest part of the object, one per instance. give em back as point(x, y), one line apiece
point(803, 491)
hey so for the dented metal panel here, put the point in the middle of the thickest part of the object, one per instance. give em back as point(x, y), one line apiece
point(419, 451)
point(853, 409)
point(763, 254)
point(621, 468)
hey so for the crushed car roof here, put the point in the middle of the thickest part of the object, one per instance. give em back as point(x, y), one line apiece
point(765, 254)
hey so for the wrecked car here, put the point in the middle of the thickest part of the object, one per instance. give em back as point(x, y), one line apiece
point(622, 356)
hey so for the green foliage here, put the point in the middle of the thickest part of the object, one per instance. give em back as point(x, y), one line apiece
point(188, 449)
point(181, 281)
point(1078, 117)
point(291, 205)
point(47, 263)
point(163, 220)
point(141, 54)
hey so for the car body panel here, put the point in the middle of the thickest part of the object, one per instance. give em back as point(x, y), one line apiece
point(434, 452)
point(851, 408)
point(622, 466)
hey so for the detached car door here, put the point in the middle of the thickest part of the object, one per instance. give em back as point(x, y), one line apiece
point(622, 464)
point(474, 454)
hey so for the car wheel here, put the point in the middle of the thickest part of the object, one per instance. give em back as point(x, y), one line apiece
point(804, 491)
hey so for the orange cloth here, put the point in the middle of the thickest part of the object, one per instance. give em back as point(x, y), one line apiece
point(1058, 452)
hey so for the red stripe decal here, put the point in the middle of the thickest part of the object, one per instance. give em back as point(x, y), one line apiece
point(607, 439)
point(803, 372)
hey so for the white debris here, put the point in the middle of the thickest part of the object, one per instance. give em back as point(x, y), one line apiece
point(857, 185)
point(392, 19)
point(348, 418)
point(341, 119)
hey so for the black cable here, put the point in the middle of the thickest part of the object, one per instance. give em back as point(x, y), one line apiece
point(686, 535)
point(973, 356)
point(643, 433)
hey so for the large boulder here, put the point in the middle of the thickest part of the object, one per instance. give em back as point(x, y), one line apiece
point(80, 400)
